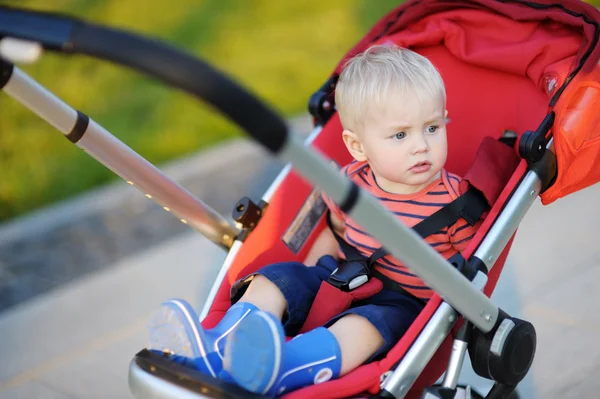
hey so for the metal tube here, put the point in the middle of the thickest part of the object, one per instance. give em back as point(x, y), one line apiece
point(508, 221)
point(422, 350)
point(134, 169)
point(185, 72)
point(41, 101)
point(402, 242)
point(122, 160)
point(455, 363)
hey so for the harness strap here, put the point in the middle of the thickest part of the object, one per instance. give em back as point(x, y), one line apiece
point(392, 285)
point(470, 206)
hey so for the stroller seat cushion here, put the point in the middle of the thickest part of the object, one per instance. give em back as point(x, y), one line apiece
point(332, 301)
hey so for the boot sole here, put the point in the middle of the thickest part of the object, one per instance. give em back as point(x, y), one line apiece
point(175, 328)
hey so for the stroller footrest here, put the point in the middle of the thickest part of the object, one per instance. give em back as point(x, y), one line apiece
point(152, 375)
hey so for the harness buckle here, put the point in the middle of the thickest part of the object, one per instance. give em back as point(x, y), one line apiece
point(350, 275)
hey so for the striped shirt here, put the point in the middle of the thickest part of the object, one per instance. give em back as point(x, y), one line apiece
point(410, 209)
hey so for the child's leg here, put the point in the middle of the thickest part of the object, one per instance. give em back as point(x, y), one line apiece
point(175, 328)
point(358, 339)
point(266, 296)
point(257, 358)
point(287, 288)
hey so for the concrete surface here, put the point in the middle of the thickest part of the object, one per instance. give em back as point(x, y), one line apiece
point(77, 342)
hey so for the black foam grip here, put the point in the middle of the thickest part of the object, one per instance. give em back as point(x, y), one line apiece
point(187, 73)
point(51, 29)
point(6, 71)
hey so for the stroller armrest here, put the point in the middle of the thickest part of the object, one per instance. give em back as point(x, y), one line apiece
point(152, 375)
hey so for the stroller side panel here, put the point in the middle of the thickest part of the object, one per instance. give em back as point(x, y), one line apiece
point(265, 244)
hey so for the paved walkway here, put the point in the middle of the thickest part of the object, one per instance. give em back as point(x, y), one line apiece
point(77, 341)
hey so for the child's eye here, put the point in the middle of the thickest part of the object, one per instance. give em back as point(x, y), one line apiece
point(400, 136)
point(432, 129)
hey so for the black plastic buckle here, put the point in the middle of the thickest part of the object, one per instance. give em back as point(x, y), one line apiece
point(350, 275)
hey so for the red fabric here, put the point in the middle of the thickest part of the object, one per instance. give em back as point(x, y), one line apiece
point(482, 36)
point(353, 383)
point(493, 167)
point(482, 103)
point(328, 303)
point(331, 301)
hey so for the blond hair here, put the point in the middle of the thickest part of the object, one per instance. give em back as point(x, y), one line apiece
point(380, 74)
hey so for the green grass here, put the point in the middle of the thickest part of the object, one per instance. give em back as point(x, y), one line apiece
point(281, 50)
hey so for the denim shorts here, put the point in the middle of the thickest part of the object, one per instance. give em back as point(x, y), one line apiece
point(390, 312)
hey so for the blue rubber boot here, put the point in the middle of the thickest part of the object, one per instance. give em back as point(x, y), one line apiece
point(175, 330)
point(258, 359)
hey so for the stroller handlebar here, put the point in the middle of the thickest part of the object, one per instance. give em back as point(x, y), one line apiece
point(51, 30)
point(166, 63)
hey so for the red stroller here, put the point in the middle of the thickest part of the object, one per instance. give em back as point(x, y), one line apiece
point(522, 86)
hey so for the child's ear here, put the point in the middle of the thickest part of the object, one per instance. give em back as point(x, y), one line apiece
point(354, 145)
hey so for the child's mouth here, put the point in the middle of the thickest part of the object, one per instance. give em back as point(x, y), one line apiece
point(421, 167)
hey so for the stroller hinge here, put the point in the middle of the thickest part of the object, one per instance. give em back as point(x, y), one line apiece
point(321, 104)
point(247, 214)
point(532, 145)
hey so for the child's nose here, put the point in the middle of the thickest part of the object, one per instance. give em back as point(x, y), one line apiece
point(420, 145)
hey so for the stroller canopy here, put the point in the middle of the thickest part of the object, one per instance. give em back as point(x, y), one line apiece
point(554, 44)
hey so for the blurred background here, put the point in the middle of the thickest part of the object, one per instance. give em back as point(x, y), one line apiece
point(283, 51)
point(84, 258)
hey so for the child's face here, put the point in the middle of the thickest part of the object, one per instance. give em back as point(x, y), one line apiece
point(404, 143)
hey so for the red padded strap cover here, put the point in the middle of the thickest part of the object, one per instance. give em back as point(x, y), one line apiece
point(331, 301)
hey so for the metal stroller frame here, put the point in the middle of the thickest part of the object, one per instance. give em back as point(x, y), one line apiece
point(28, 32)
